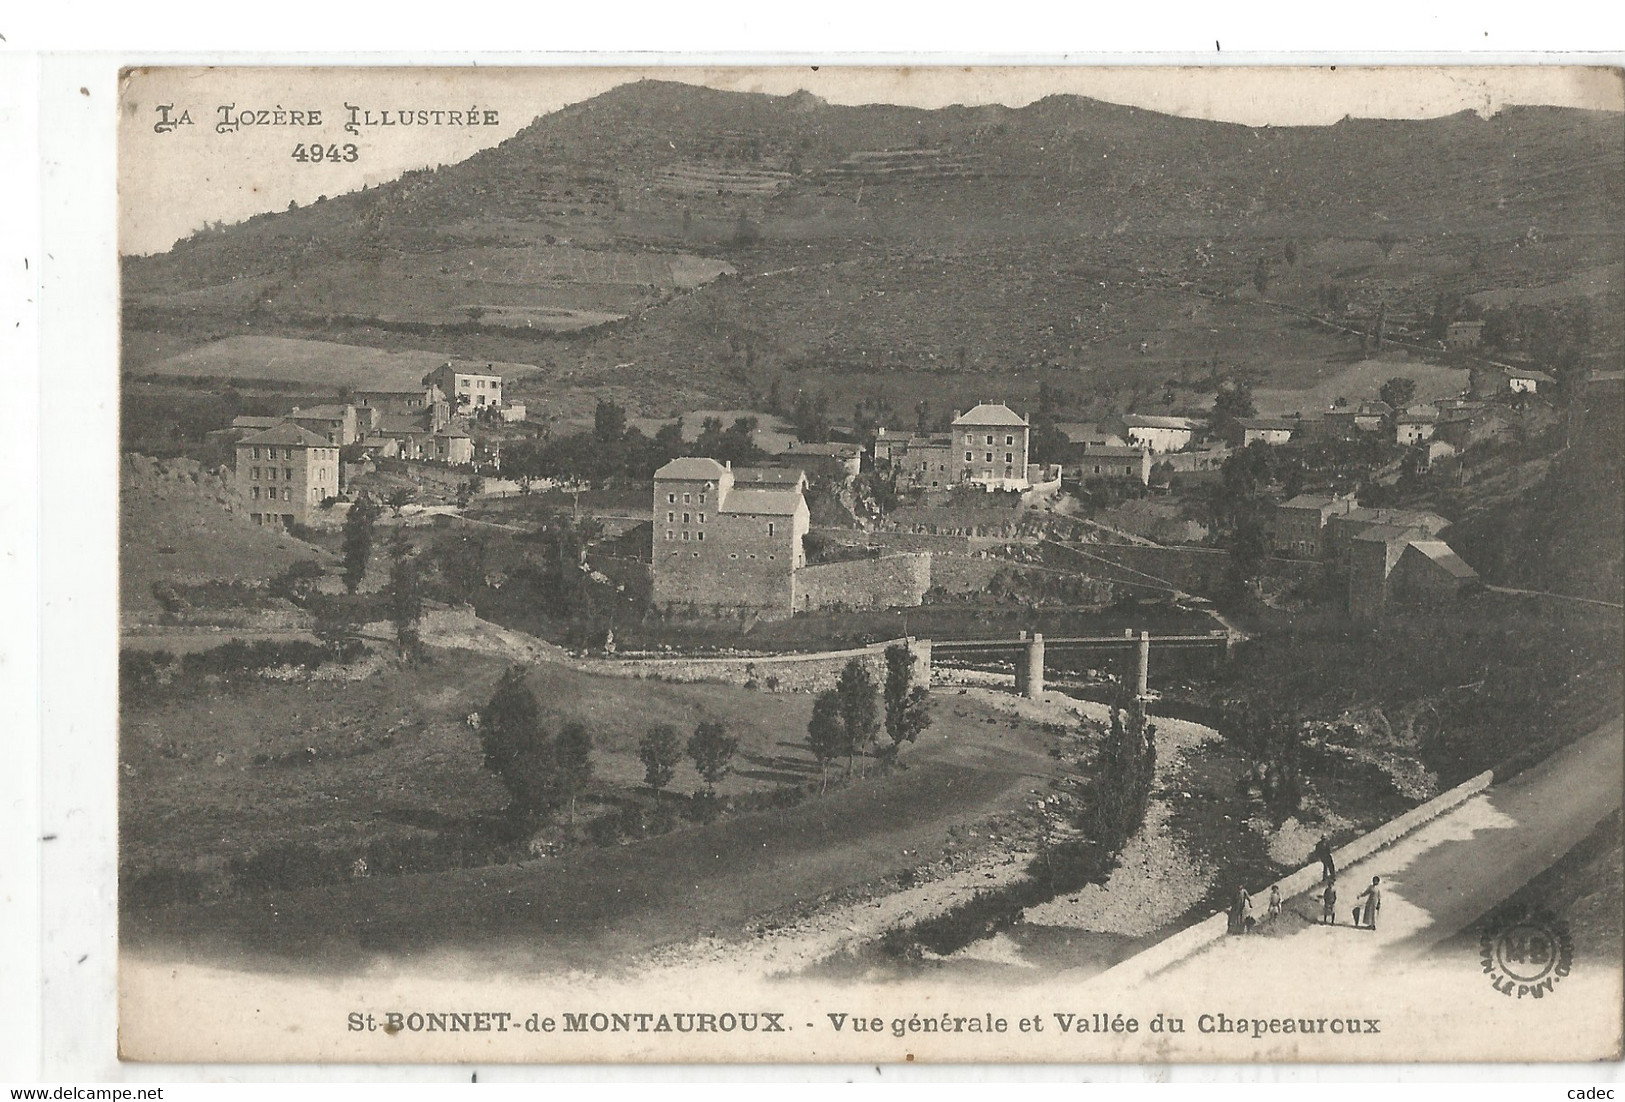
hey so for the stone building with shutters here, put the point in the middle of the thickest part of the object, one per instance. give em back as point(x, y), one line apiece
point(285, 472)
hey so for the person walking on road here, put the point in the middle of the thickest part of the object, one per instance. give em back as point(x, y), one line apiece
point(1373, 903)
point(1241, 913)
point(1275, 900)
point(1323, 853)
point(1328, 912)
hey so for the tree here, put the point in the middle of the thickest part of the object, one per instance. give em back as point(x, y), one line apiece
point(860, 708)
point(1398, 392)
point(405, 595)
point(1234, 400)
point(572, 763)
point(514, 747)
point(608, 422)
point(357, 540)
point(907, 704)
point(1261, 276)
point(659, 750)
point(712, 750)
point(1290, 252)
point(826, 732)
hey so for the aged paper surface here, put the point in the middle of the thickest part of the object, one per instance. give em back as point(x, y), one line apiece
point(1128, 489)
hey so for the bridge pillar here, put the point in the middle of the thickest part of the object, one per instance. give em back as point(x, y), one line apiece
point(1030, 673)
point(921, 650)
point(1143, 666)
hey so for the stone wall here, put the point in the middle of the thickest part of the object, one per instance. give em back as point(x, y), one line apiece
point(889, 582)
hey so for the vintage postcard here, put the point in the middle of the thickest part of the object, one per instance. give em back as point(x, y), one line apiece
point(871, 565)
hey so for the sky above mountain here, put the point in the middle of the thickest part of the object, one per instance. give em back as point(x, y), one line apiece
point(174, 180)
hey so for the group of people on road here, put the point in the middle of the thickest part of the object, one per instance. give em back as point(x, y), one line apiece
point(1365, 913)
point(1242, 920)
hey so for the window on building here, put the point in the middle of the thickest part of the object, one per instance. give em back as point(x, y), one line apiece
point(990, 438)
point(702, 498)
point(671, 499)
point(1009, 457)
point(770, 558)
point(254, 474)
point(1009, 439)
point(685, 518)
point(733, 554)
point(287, 474)
point(687, 498)
point(254, 493)
point(270, 473)
point(700, 536)
point(671, 518)
point(286, 494)
point(256, 453)
point(462, 383)
point(989, 458)
point(480, 384)
point(669, 534)
point(969, 439)
point(770, 527)
point(702, 515)
point(967, 457)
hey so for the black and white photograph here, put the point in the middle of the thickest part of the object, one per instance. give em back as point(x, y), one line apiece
point(867, 564)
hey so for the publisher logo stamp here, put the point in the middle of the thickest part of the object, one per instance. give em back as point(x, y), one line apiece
point(1526, 953)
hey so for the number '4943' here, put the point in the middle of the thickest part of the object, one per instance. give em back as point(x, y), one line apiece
point(319, 153)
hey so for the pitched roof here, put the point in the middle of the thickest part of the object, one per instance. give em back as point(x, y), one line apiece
point(694, 468)
point(1408, 518)
point(1115, 451)
point(1525, 373)
point(453, 432)
point(288, 433)
point(1085, 432)
point(1389, 533)
point(1150, 421)
point(1423, 416)
point(990, 413)
point(769, 502)
point(1272, 424)
point(1446, 558)
point(768, 476)
point(1308, 501)
point(399, 426)
point(244, 421)
point(320, 413)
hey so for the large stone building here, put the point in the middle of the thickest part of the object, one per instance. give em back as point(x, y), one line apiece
point(990, 447)
point(1299, 524)
point(285, 472)
point(718, 545)
point(730, 540)
point(986, 446)
point(1390, 566)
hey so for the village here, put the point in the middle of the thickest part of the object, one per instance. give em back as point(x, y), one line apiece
point(716, 532)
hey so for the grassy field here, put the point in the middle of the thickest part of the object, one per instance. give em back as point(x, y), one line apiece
point(390, 755)
point(1360, 381)
point(309, 361)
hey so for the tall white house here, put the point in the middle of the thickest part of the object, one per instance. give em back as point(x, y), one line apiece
point(464, 387)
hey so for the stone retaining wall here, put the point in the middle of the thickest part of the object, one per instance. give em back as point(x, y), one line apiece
point(893, 581)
